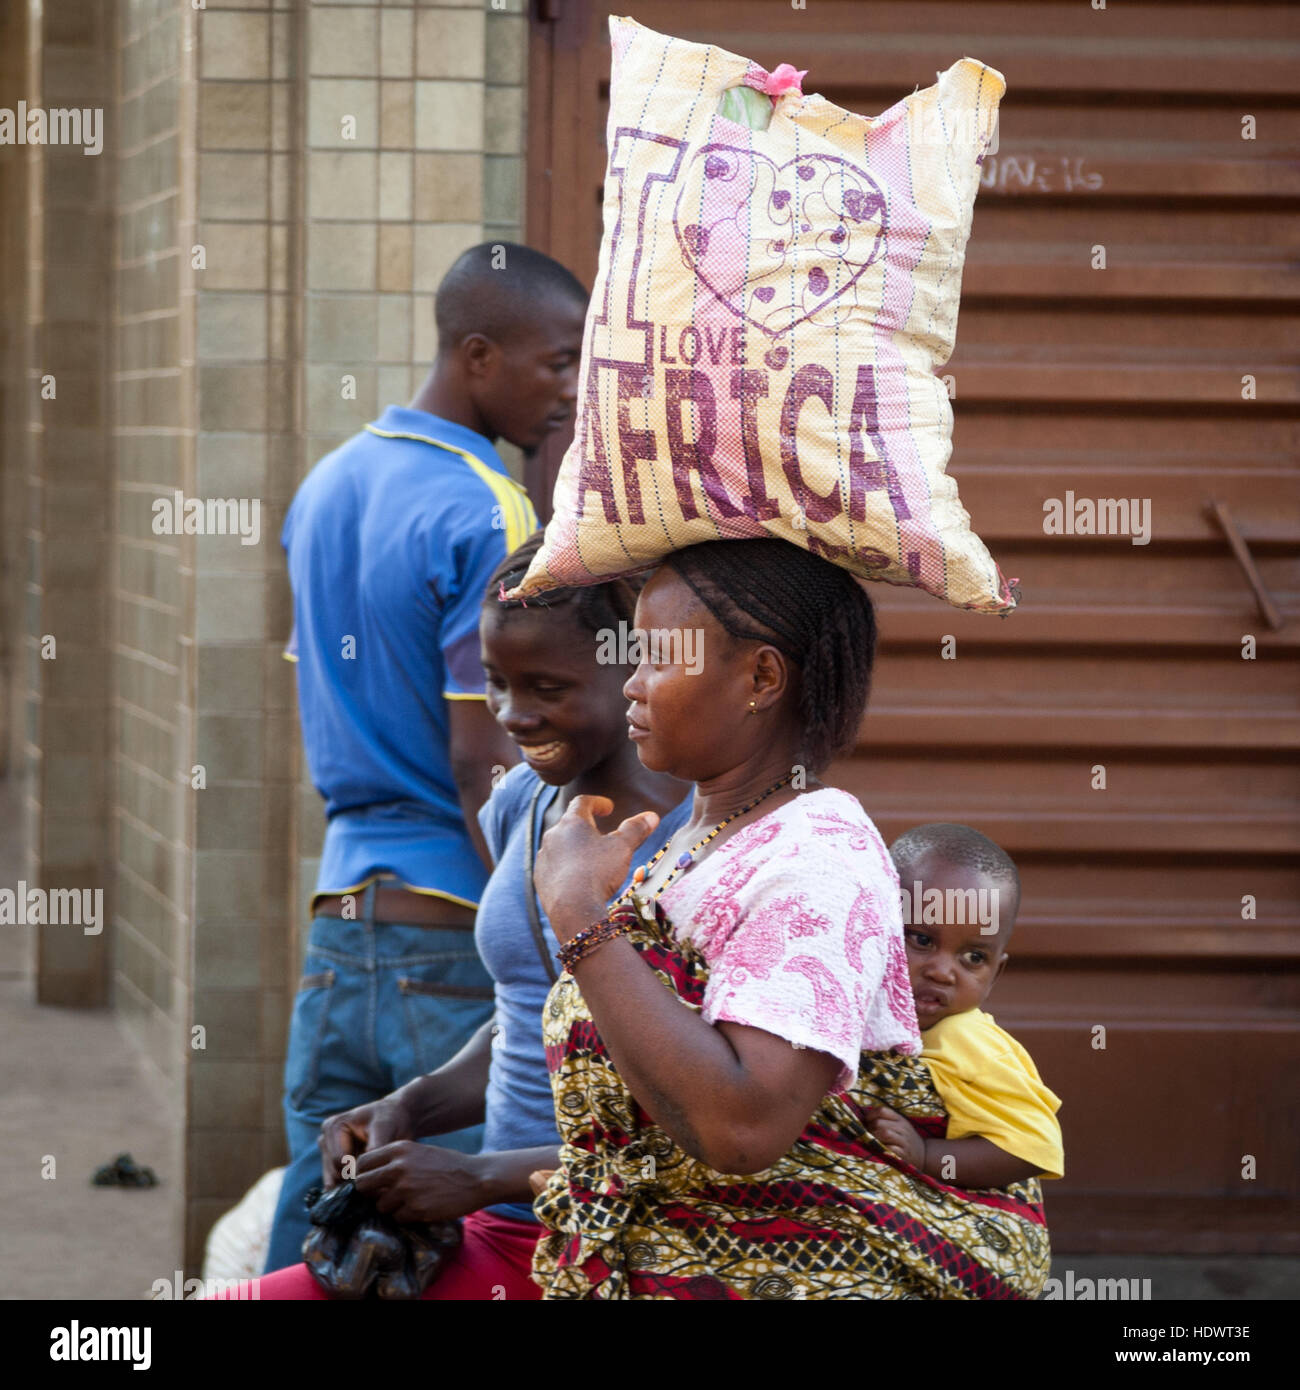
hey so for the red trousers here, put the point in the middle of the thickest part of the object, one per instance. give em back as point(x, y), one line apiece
point(492, 1261)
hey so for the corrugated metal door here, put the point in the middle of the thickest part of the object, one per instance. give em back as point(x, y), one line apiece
point(1128, 330)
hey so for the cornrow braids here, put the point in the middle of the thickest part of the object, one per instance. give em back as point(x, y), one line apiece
point(813, 612)
point(594, 606)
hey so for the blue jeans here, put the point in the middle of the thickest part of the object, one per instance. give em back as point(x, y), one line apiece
point(377, 1006)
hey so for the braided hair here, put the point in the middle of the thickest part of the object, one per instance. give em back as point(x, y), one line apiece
point(813, 612)
point(594, 607)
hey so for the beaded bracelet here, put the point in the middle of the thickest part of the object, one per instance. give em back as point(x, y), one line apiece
point(586, 941)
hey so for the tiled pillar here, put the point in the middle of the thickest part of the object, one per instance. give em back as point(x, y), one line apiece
point(245, 217)
point(152, 596)
point(14, 351)
point(66, 740)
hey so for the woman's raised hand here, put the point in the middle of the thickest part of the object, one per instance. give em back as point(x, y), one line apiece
point(579, 868)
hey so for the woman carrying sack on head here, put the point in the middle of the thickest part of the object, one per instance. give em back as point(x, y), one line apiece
point(717, 1040)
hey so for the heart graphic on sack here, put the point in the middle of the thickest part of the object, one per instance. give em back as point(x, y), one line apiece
point(777, 243)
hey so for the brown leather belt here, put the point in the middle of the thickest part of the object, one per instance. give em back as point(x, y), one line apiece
point(393, 907)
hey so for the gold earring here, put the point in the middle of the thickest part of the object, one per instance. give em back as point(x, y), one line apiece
point(753, 709)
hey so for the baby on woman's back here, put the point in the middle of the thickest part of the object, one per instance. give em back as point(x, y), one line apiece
point(960, 895)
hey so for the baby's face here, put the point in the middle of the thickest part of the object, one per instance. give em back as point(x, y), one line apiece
point(952, 959)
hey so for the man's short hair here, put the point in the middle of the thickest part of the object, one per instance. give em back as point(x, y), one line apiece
point(495, 289)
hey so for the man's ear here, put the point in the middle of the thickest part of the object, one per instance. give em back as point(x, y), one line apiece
point(478, 354)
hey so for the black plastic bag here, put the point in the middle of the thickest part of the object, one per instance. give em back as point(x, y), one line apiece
point(355, 1251)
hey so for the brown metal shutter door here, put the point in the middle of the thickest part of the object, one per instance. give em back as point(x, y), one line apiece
point(1169, 375)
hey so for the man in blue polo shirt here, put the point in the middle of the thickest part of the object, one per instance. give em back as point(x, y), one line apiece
point(390, 541)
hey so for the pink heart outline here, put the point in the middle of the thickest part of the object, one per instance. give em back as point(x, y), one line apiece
point(693, 236)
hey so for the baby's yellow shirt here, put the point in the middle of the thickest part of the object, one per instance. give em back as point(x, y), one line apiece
point(990, 1087)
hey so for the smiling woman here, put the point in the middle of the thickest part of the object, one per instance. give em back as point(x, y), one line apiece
point(719, 1039)
point(549, 690)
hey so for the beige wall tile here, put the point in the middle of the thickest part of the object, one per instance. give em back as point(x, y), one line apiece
point(231, 1018)
point(283, 56)
point(148, 343)
point(223, 1095)
point(503, 120)
point(329, 409)
point(142, 289)
point(227, 885)
point(234, 115)
point(397, 43)
point(448, 116)
point(232, 398)
point(148, 230)
point(436, 246)
point(393, 387)
point(397, 115)
point(342, 328)
point(228, 818)
point(449, 43)
point(283, 113)
point(332, 100)
point(423, 335)
point(448, 187)
point(152, 459)
point(278, 261)
point(234, 44)
point(505, 47)
point(395, 180)
point(341, 256)
point(229, 745)
point(343, 42)
point(222, 953)
point(220, 555)
point(236, 255)
point(279, 327)
point(230, 608)
point(233, 186)
point(148, 402)
point(147, 970)
point(503, 189)
point(342, 184)
point(230, 677)
point(281, 191)
point(231, 326)
point(395, 250)
point(394, 328)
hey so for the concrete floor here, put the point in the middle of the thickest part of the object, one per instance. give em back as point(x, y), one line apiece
point(73, 1087)
point(75, 1090)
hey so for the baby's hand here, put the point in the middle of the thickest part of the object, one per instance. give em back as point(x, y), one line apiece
point(897, 1135)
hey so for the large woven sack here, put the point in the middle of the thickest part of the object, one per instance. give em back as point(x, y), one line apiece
point(768, 316)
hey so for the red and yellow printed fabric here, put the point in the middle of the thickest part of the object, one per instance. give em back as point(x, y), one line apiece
point(631, 1215)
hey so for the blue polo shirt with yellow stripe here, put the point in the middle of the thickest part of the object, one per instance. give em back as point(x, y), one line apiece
point(391, 541)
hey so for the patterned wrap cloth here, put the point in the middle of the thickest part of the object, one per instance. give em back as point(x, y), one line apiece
point(633, 1216)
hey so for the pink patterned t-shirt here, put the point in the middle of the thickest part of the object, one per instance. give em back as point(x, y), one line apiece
point(797, 916)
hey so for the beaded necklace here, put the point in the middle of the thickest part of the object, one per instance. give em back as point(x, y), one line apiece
point(687, 856)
